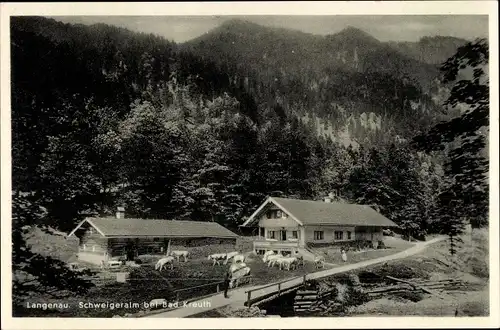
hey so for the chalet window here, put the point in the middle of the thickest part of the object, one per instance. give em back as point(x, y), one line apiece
point(156, 239)
point(273, 214)
point(271, 234)
point(262, 232)
point(348, 235)
point(339, 235)
point(91, 231)
point(319, 235)
point(295, 234)
point(283, 235)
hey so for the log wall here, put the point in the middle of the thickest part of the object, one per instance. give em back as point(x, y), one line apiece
point(158, 245)
point(91, 241)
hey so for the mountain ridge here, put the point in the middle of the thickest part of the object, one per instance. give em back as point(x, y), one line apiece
point(407, 48)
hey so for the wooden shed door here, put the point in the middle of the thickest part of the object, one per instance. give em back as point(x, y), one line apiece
point(131, 250)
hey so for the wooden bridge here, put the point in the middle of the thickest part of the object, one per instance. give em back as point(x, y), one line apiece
point(271, 291)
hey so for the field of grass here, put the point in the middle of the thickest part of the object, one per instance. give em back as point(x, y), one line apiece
point(393, 245)
point(55, 245)
point(435, 263)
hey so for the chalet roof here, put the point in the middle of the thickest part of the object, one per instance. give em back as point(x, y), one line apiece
point(307, 212)
point(113, 227)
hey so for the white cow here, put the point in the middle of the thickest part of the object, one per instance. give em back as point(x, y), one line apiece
point(229, 256)
point(319, 261)
point(178, 254)
point(238, 274)
point(238, 258)
point(235, 267)
point(272, 259)
point(164, 261)
point(217, 258)
point(267, 254)
point(287, 262)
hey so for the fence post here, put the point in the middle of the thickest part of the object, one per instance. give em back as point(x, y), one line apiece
point(305, 279)
point(178, 296)
point(248, 298)
point(217, 287)
point(279, 289)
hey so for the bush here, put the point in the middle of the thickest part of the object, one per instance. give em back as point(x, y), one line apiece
point(369, 277)
point(355, 297)
point(387, 232)
point(312, 285)
point(399, 271)
point(343, 278)
point(381, 245)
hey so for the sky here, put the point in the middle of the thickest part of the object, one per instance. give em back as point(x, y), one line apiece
point(384, 28)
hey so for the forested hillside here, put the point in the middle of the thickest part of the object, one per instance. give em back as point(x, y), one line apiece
point(432, 50)
point(333, 81)
point(102, 116)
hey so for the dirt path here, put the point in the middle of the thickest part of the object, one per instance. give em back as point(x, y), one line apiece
point(238, 297)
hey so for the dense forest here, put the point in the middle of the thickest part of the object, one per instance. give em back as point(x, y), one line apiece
point(102, 116)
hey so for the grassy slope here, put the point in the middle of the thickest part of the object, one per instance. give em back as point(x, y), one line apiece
point(470, 265)
point(55, 245)
point(393, 245)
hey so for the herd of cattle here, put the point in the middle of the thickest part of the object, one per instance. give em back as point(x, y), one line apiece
point(237, 259)
point(238, 268)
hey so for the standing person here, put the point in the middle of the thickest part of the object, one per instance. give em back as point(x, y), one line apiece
point(344, 255)
point(227, 279)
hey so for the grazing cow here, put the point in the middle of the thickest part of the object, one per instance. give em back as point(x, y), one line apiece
point(235, 267)
point(229, 256)
point(287, 263)
point(178, 254)
point(238, 258)
point(272, 260)
point(217, 258)
point(319, 262)
point(238, 274)
point(267, 254)
point(164, 261)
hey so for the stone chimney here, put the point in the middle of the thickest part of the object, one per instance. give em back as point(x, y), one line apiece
point(120, 212)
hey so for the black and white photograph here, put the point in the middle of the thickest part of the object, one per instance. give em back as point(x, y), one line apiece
point(250, 166)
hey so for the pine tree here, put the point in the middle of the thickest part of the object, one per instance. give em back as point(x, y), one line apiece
point(465, 195)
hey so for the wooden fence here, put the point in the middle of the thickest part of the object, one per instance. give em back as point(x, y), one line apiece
point(279, 286)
